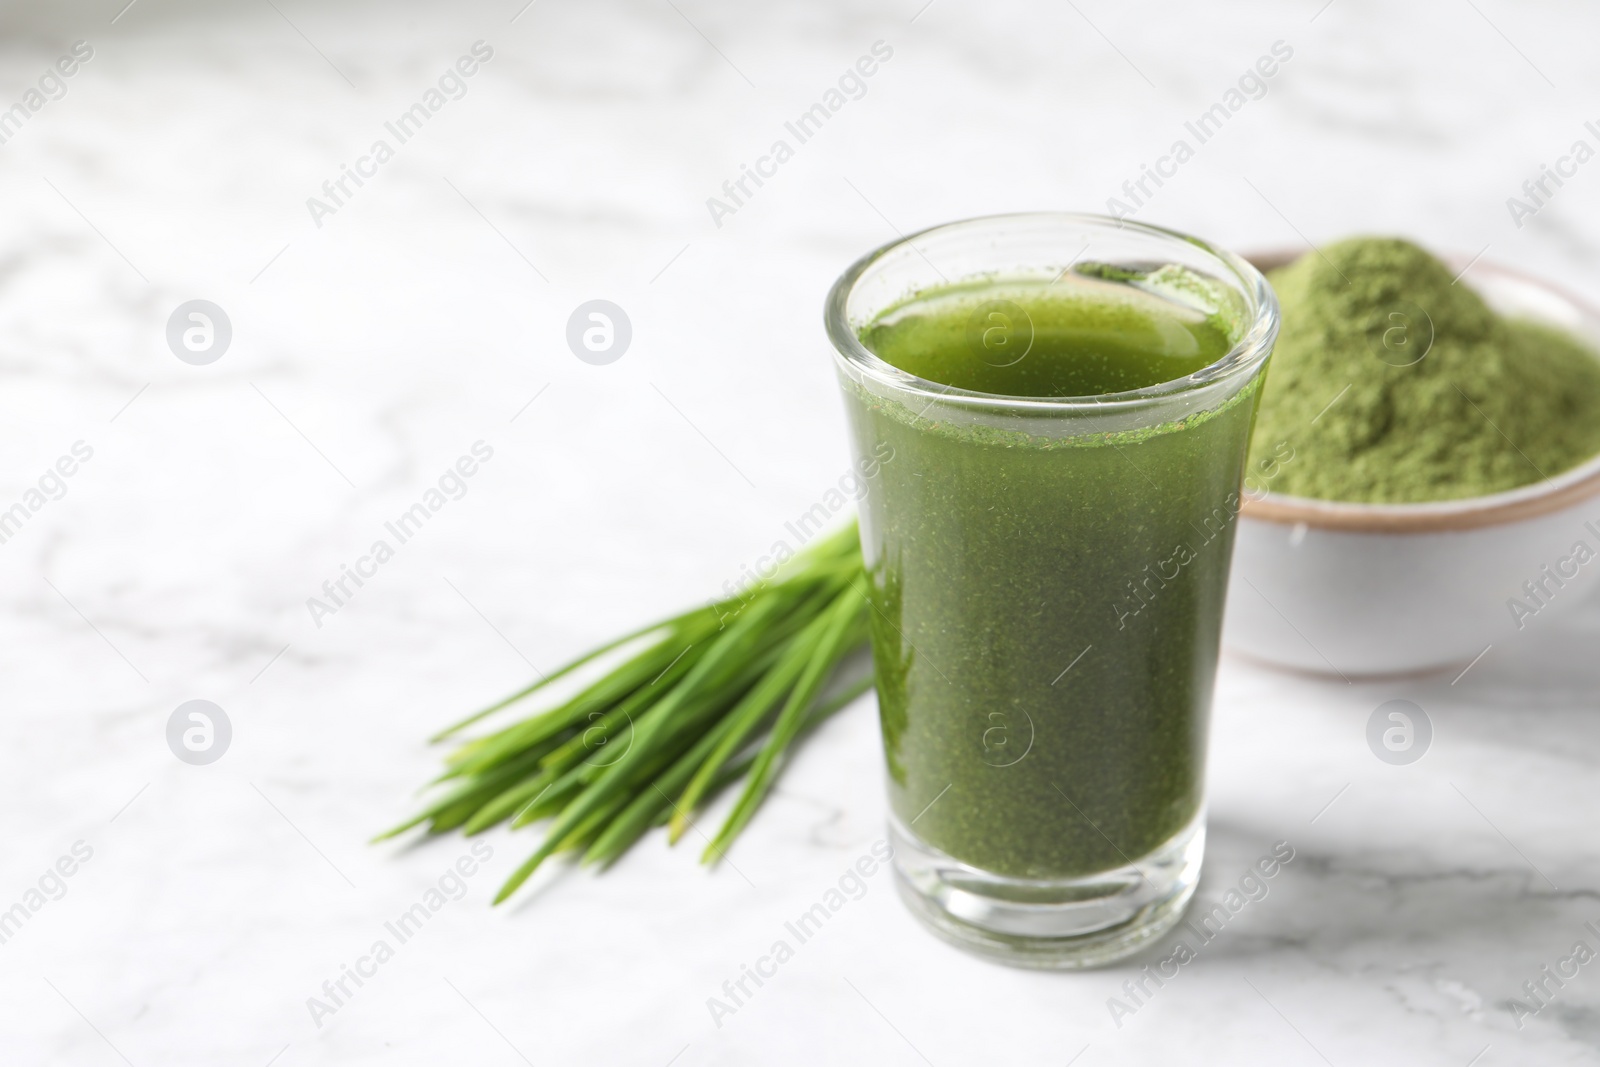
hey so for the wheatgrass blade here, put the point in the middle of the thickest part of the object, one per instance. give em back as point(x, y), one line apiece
point(747, 716)
point(845, 619)
point(682, 699)
point(731, 644)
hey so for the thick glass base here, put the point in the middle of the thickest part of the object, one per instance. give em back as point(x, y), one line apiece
point(1064, 924)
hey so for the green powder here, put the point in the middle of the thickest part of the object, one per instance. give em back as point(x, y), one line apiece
point(1390, 384)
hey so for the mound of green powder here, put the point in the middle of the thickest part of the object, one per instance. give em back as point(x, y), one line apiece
point(1390, 384)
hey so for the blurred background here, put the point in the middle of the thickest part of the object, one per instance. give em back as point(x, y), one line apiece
point(376, 333)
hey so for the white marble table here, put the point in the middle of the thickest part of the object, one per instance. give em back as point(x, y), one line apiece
point(427, 313)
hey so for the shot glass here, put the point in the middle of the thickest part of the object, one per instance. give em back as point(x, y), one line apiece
point(1047, 578)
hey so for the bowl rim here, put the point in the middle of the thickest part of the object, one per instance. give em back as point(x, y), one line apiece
point(1530, 501)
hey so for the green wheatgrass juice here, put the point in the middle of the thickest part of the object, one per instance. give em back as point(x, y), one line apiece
point(1048, 608)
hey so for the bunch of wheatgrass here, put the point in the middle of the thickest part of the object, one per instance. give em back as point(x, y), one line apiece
point(685, 707)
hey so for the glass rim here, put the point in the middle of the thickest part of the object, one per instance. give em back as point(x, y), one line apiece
point(1243, 359)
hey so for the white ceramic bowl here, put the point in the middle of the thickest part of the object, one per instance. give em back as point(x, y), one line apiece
point(1374, 589)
